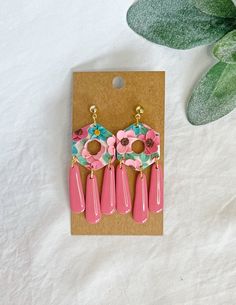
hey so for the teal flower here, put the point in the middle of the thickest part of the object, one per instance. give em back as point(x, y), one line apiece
point(98, 132)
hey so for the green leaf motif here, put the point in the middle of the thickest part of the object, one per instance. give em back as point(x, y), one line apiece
point(83, 141)
point(225, 49)
point(220, 8)
point(143, 130)
point(107, 134)
point(138, 129)
point(176, 23)
point(82, 160)
point(130, 156)
point(155, 155)
point(144, 157)
point(119, 156)
point(106, 157)
point(145, 165)
point(215, 95)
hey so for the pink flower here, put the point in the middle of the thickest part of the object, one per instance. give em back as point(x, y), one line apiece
point(135, 163)
point(124, 141)
point(151, 140)
point(93, 160)
point(80, 134)
point(111, 141)
point(96, 164)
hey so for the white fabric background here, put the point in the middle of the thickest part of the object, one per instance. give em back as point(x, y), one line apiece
point(42, 42)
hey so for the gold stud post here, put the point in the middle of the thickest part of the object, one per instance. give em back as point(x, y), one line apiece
point(93, 110)
point(139, 110)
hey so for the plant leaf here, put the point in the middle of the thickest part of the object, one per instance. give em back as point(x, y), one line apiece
point(214, 96)
point(225, 48)
point(176, 23)
point(220, 8)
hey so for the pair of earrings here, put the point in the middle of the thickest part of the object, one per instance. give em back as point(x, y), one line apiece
point(115, 189)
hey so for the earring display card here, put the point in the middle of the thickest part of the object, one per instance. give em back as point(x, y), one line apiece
point(116, 96)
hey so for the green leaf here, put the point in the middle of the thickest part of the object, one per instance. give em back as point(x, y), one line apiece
point(225, 49)
point(220, 8)
point(176, 23)
point(214, 96)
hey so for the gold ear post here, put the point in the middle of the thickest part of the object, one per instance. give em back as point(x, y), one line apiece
point(139, 110)
point(93, 110)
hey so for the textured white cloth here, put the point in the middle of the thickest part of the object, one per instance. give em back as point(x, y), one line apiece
point(194, 263)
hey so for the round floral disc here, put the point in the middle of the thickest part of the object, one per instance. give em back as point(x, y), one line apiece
point(81, 139)
point(126, 138)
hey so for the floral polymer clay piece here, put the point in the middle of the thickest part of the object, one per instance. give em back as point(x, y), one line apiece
point(80, 147)
point(106, 155)
point(150, 139)
point(139, 161)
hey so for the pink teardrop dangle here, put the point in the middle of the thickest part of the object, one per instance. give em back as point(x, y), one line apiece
point(108, 198)
point(156, 189)
point(92, 210)
point(123, 198)
point(140, 211)
point(77, 202)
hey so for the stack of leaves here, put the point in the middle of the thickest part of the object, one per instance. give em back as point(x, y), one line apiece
point(184, 24)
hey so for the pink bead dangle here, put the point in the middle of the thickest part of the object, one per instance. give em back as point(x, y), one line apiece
point(93, 210)
point(105, 156)
point(156, 189)
point(140, 210)
point(77, 202)
point(123, 197)
point(108, 199)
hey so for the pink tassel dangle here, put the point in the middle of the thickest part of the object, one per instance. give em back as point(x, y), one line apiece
point(92, 210)
point(108, 198)
point(140, 210)
point(77, 202)
point(156, 189)
point(123, 198)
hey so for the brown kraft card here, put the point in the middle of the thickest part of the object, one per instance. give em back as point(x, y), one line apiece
point(116, 111)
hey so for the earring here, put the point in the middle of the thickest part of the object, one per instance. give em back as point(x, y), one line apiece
point(104, 157)
point(139, 161)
